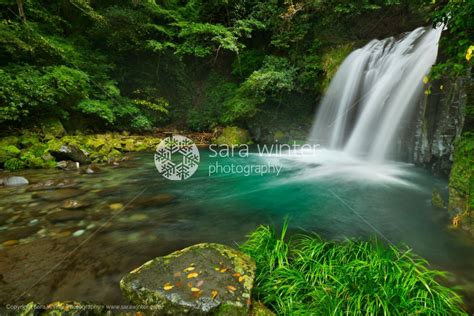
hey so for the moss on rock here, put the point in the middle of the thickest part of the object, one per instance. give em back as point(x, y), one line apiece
point(461, 183)
point(233, 136)
point(201, 279)
point(32, 151)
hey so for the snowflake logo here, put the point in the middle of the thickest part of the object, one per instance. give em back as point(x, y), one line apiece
point(176, 158)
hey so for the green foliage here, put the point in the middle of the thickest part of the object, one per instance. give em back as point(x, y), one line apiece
point(100, 108)
point(307, 275)
point(233, 136)
point(13, 164)
point(275, 76)
point(457, 17)
point(136, 64)
point(57, 86)
point(210, 113)
point(461, 180)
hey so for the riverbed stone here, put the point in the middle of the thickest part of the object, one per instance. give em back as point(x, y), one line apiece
point(51, 184)
point(68, 165)
point(70, 152)
point(74, 204)
point(202, 279)
point(65, 215)
point(93, 169)
point(155, 200)
point(15, 181)
point(17, 233)
point(58, 195)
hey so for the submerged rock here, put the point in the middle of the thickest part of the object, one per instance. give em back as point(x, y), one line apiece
point(17, 233)
point(156, 200)
point(68, 165)
point(79, 233)
point(14, 181)
point(74, 204)
point(58, 195)
point(201, 279)
point(92, 169)
point(65, 215)
point(52, 184)
point(437, 199)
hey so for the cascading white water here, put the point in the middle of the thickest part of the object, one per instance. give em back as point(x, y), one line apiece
point(374, 90)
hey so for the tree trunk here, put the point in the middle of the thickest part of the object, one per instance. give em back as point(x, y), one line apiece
point(21, 10)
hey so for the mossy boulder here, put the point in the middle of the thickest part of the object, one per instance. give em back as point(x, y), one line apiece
point(28, 140)
point(202, 279)
point(7, 152)
point(233, 136)
point(70, 152)
point(53, 128)
point(9, 140)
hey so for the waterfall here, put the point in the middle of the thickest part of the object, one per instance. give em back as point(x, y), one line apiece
point(375, 89)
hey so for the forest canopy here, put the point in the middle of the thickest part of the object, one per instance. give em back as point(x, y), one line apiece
point(140, 64)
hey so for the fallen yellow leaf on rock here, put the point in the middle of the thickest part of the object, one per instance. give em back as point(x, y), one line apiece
point(214, 294)
point(189, 269)
point(116, 206)
point(231, 288)
point(223, 270)
point(168, 286)
point(192, 275)
point(195, 289)
point(241, 279)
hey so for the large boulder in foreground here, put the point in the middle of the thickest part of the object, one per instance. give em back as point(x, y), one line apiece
point(202, 279)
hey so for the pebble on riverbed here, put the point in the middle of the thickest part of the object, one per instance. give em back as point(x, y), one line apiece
point(79, 233)
point(15, 181)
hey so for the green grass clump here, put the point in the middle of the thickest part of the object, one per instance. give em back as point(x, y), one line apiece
point(309, 276)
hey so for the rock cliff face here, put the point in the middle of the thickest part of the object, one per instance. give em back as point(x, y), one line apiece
point(439, 123)
point(441, 140)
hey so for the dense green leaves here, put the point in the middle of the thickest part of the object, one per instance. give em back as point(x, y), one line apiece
point(457, 17)
point(141, 64)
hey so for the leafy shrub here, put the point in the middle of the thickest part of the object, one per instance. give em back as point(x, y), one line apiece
point(13, 164)
point(457, 17)
point(309, 276)
point(55, 88)
point(100, 108)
